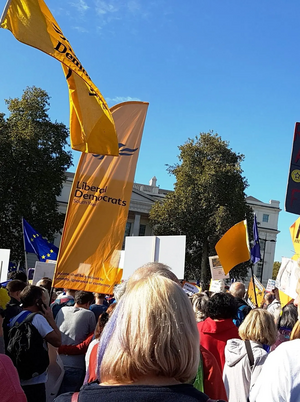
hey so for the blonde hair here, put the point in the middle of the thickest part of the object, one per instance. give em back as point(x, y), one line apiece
point(259, 326)
point(155, 335)
point(295, 334)
point(151, 268)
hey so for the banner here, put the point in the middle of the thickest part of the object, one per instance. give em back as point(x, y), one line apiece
point(92, 127)
point(292, 200)
point(259, 290)
point(98, 208)
point(233, 248)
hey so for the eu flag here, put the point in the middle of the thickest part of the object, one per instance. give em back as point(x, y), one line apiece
point(35, 243)
point(255, 250)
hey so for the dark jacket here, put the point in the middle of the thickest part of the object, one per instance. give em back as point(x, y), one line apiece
point(12, 309)
point(130, 393)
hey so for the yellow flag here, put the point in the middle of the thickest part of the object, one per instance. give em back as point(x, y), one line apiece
point(98, 207)
point(295, 235)
point(233, 248)
point(259, 291)
point(92, 127)
point(284, 298)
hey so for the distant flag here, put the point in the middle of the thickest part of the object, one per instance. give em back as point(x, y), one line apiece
point(36, 244)
point(12, 267)
point(92, 127)
point(255, 250)
point(233, 248)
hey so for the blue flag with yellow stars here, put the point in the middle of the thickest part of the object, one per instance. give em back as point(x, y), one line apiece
point(35, 243)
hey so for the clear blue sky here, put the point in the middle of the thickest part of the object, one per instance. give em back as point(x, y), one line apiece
point(227, 66)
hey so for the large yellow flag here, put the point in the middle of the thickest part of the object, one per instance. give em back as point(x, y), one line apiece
point(98, 208)
point(233, 247)
point(91, 124)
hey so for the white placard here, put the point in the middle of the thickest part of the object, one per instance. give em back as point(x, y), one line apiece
point(169, 250)
point(271, 285)
point(4, 263)
point(287, 277)
point(190, 289)
point(41, 270)
point(217, 286)
point(216, 268)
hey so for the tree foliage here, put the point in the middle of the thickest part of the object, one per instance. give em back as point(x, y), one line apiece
point(209, 198)
point(33, 162)
point(276, 267)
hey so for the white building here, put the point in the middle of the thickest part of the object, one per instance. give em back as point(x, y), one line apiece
point(267, 221)
point(143, 197)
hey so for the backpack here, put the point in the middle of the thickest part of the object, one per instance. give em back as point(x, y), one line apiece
point(26, 349)
point(242, 311)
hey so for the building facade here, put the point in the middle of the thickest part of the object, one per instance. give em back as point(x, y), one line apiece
point(143, 197)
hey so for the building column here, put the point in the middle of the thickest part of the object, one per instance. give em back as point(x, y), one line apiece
point(136, 225)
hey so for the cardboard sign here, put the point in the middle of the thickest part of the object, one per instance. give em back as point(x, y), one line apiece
point(4, 263)
point(271, 285)
point(287, 277)
point(216, 268)
point(42, 270)
point(169, 250)
point(190, 288)
point(217, 286)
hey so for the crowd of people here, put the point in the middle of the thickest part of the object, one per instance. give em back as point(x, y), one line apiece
point(149, 342)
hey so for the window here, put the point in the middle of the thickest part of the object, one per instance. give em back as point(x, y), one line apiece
point(128, 229)
point(265, 218)
point(142, 230)
point(127, 233)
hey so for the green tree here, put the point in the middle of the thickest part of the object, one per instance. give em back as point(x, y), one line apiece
point(33, 161)
point(276, 267)
point(208, 199)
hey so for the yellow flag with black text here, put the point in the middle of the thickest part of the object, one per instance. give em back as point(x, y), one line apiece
point(233, 247)
point(92, 126)
point(98, 207)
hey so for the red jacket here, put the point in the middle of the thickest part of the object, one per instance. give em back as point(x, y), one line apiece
point(215, 334)
point(212, 376)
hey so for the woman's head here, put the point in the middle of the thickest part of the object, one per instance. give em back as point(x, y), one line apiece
point(199, 303)
point(221, 306)
point(102, 320)
point(259, 326)
point(155, 334)
point(288, 316)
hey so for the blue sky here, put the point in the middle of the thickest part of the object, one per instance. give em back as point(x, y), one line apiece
point(227, 66)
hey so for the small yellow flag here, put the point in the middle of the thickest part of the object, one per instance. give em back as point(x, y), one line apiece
point(256, 289)
point(92, 127)
point(233, 248)
point(295, 235)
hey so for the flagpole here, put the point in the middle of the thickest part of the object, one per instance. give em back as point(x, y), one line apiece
point(26, 264)
point(5, 11)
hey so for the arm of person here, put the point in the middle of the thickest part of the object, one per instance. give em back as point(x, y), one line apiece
point(79, 349)
point(54, 337)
